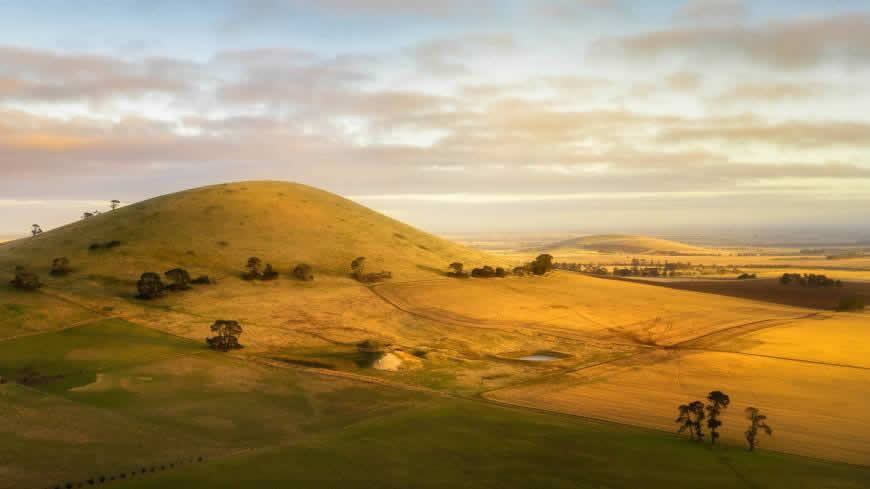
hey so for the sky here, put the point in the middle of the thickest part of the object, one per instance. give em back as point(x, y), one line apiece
point(453, 116)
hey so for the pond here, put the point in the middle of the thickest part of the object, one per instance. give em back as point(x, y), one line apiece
point(540, 357)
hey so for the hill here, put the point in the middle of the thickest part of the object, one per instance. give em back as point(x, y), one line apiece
point(626, 243)
point(215, 229)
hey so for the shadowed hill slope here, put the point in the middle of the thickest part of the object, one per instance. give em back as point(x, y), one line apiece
point(215, 229)
point(627, 243)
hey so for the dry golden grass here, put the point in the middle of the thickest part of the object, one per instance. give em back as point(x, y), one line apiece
point(841, 338)
point(585, 307)
point(815, 410)
point(213, 230)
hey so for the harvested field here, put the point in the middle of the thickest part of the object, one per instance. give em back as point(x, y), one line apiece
point(802, 400)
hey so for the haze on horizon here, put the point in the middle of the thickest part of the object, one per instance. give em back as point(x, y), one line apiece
point(508, 115)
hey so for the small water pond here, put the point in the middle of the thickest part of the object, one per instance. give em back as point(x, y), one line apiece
point(543, 356)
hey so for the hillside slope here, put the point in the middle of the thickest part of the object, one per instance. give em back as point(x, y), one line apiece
point(627, 243)
point(215, 229)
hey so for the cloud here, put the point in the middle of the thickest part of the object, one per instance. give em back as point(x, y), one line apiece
point(792, 44)
point(37, 75)
point(800, 134)
point(731, 11)
point(774, 92)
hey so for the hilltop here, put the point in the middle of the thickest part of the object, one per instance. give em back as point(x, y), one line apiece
point(215, 229)
point(626, 243)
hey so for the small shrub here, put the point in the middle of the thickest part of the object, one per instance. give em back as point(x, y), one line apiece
point(201, 280)
point(303, 272)
point(105, 245)
point(746, 276)
point(372, 346)
point(253, 269)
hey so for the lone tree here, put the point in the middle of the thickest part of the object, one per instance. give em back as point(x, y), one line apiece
point(757, 421)
point(227, 335)
point(254, 264)
point(25, 279)
point(180, 279)
point(303, 271)
point(114, 204)
point(150, 286)
point(36, 229)
point(690, 418)
point(542, 264)
point(457, 268)
point(718, 401)
point(60, 266)
point(358, 266)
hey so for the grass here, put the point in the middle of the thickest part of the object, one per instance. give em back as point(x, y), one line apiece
point(466, 445)
point(73, 357)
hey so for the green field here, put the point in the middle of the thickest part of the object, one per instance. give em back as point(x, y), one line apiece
point(131, 399)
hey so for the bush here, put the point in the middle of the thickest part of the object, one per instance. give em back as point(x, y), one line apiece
point(201, 280)
point(150, 286)
point(180, 279)
point(499, 272)
point(25, 280)
point(374, 277)
point(269, 273)
point(542, 264)
point(852, 302)
point(304, 272)
point(746, 276)
point(105, 245)
point(60, 266)
point(485, 271)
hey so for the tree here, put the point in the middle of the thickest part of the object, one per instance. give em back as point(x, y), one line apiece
point(757, 421)
point(25, 279)
point(499, 272)
point(304, 272)
point(457, 267)
point(542, 264)
point(60, 266)
point(150, 286)
point(253, 267)
point(227, 338)
point(180, 279)
point(690, 418)
point(357, 266)
point(114, 204)
point(35, 230)
point(718, 401)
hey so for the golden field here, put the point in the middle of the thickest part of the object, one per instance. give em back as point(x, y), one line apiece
point(629, 352)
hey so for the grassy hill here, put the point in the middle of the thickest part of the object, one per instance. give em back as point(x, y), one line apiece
point(627, 243)
point(213, 230)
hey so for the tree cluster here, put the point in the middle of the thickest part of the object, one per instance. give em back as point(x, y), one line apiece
point(809, 280)
point(35, 230)
point(227, 335)
point(487, 271)
point(692, 417)
point(256, 270)
point(151, 286)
